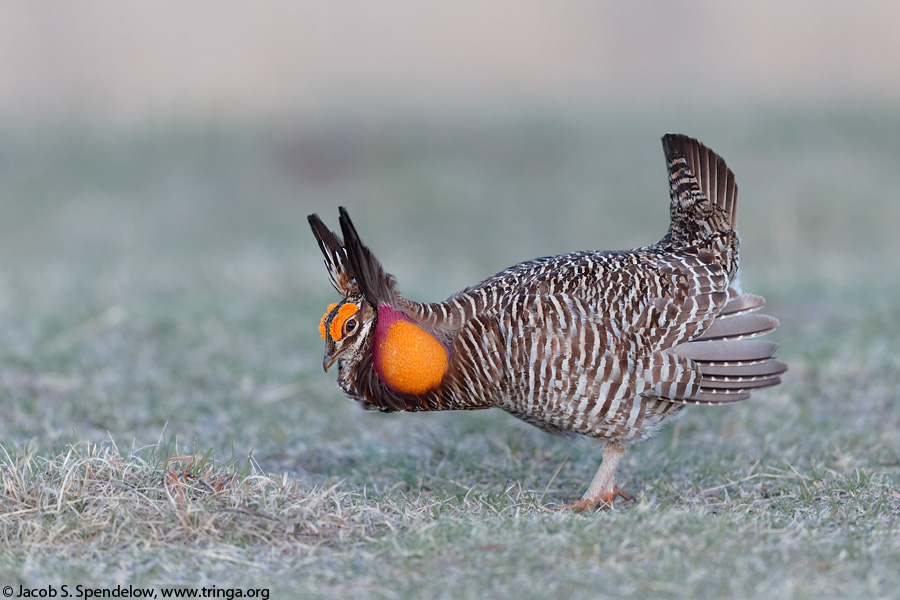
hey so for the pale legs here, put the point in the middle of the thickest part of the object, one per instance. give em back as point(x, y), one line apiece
point(603, 487)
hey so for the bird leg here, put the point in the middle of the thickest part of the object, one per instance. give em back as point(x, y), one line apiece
point(603, 488)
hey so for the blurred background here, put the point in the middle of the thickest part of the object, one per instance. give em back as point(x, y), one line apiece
point(284, 60)
point(158, 161)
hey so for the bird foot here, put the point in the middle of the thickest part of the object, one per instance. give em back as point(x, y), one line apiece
point(602, 502)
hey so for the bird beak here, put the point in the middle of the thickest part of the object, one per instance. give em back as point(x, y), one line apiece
point(327, 361)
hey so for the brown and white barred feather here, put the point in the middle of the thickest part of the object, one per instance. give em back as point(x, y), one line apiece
point(605, 344)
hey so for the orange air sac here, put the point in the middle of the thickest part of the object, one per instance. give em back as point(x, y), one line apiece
point(406, 357)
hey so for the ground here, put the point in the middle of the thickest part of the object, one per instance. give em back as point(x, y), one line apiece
point(166, 420)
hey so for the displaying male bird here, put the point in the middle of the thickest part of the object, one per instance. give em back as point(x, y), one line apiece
point(609, 345)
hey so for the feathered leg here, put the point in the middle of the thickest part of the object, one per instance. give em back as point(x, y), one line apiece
point(603, 488)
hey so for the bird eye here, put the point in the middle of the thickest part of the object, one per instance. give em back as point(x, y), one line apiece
point(350, 325)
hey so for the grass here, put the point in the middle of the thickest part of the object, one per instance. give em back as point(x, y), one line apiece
point(166, 421)
point(97, 496)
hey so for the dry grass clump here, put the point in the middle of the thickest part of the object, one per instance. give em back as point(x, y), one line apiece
point(95, 494)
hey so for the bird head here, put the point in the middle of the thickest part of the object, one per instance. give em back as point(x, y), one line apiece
point(347, 327)
point(370, 324)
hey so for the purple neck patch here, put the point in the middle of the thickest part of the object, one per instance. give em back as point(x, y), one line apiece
point(406, 358)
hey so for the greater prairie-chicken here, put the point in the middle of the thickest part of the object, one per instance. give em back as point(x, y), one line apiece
point(609, 345)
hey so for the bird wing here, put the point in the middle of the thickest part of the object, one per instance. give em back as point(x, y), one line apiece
point(695, 290)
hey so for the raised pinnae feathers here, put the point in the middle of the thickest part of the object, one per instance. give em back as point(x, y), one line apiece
point(335, 257)
point(377, 286)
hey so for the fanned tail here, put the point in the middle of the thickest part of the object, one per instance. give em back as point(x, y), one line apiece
point(731, 364)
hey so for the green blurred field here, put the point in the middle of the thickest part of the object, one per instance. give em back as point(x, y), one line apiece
point(160, 290)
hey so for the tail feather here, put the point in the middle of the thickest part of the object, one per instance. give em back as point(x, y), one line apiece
point(719, 398)
point(738, 383)
point(759, 368)
point(741, 305)
point(699, 180)
point(730, 365)
point(703, 209)
point(730, 370)
point(726, 351)
point(739, 327)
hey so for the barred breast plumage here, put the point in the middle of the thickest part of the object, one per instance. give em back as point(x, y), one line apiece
point(604, 344)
